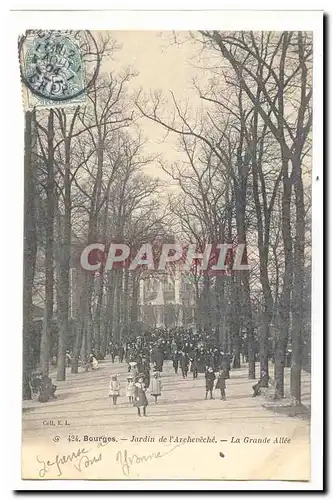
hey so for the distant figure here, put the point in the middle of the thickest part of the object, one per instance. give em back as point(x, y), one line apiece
point(140, 398)
point(93, 362)
point(194, 367)
point(201, 360)
point(157, 358)
point(225, 364)
point(113, 352)
point(47, 389)
point(146, 371)
point(35, 383)
point(132, 369)
point(220, 383)
point(130, 388)
point(184, 362)
point(263, 382)
point(121, 353)
point(54, 356)
point(210, 377)
point(114, 389)
point(68, 359)
point(175, 361)
point(156, 385)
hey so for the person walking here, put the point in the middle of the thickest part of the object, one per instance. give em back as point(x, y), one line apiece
point(146, 371)
point(194, 367)
point(184, 362)
point(140, 398)
point(121, 353)
point(210, 377)
point(157, 358)
point(156, 385)
point(112, 353)
point(220, 383)
point(114, 389)
point(175, 361)
point(225, 364)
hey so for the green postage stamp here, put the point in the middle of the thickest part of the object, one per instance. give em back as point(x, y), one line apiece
point(53, 69)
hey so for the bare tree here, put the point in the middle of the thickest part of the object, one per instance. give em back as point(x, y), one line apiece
point(30, 246)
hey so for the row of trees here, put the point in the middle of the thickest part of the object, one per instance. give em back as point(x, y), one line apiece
point(244, 179)
point(247, 177)
point(85, 182)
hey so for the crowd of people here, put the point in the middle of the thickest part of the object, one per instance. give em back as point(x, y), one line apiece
point(189, 352)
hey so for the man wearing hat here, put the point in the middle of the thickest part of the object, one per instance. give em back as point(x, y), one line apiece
point(210, 377)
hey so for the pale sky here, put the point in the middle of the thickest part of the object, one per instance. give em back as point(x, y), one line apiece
point(162, 65)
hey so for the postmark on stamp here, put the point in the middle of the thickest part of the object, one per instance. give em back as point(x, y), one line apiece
point(53, 69)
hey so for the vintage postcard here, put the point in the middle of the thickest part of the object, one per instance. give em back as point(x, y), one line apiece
point(169, 207)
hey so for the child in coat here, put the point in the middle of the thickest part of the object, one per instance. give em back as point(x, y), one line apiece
point(210, 377)
point(140, 398)
point(130, 388)
point(114, 388)
point(220, 383)
point(156, 385)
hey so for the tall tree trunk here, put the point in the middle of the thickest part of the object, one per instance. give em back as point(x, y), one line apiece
point(110, 292)
point(97, 316)
point(63, 305)
point(298, 289)
point(135, 299)
point(197, 305)
point(248, 320)
point(30, 247)
point(125, 294)
point(235, 319)
point(240, 193)
point(249, 328)
point(80, 289)
point(117, 305)
point(299, 242)
point(77, 345)
point(264, 341)
point(263, 232)
point(219, 301)
point(284, 309)
point(48, 309)
point(207, 308)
